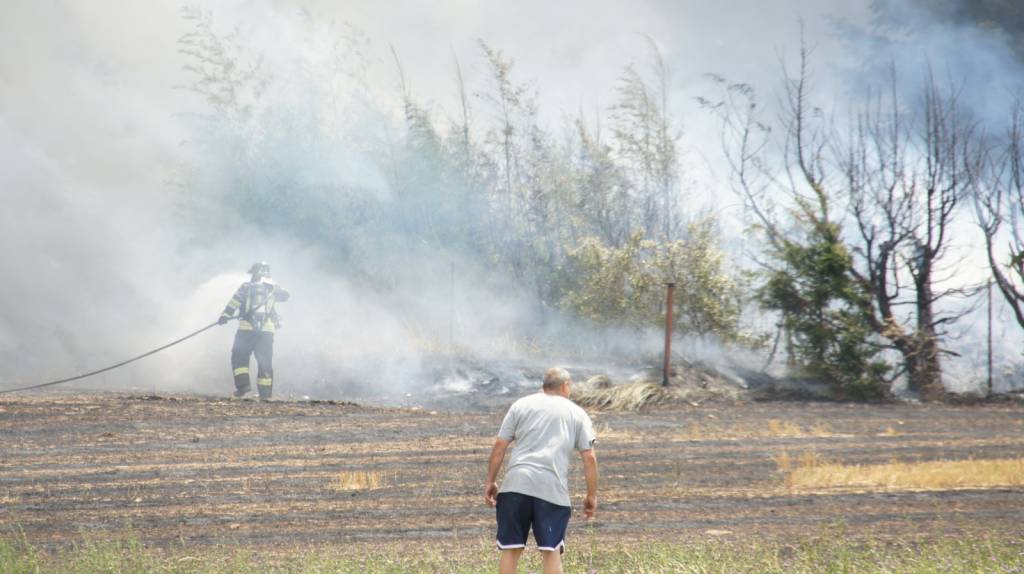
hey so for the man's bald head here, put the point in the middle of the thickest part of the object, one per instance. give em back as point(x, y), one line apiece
point(555, 377)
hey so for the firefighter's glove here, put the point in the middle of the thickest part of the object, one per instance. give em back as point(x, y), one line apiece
point(222, 320)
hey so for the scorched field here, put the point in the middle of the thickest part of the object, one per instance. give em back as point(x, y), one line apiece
point(210, 472)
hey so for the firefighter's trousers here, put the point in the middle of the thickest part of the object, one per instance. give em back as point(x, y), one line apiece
point(257, 343)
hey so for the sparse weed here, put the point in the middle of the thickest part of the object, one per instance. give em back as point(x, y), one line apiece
point(821, 430)
point(17, 555)
point(789, 429)
point(783, 429)
point(789, 465)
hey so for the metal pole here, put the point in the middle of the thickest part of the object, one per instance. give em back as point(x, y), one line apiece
point(451, 314)
point(668, 332)
point(988, 391)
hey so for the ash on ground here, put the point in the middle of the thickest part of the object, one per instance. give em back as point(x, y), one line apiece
point(465, 385)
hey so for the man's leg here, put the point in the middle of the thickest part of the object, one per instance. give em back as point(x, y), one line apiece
point(240, 351)
point(510, 560)
point(551, 560)
point(265, 361)
point(550, 521)
point(514, 512)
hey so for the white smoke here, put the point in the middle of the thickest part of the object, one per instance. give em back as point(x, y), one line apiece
point(114, 236)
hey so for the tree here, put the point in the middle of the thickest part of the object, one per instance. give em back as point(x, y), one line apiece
point(808, 271)
point(644, 139)
point(625, 285)
point(385, 192)
point(601, 203)
point(611, 286)
point(708, 296)
point(998, 194)
point(513, 113)
point(811, 286)
point(905, 179)
point(227, 80)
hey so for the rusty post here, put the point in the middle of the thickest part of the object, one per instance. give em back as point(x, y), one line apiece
point(668, 332)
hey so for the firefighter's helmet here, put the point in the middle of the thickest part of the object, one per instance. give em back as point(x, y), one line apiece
point(259, 270)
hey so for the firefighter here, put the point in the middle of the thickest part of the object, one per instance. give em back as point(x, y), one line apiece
point(258, 319)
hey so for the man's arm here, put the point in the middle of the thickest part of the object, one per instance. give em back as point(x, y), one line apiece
point(493, 466)
point(590, 472)
point(233, 305)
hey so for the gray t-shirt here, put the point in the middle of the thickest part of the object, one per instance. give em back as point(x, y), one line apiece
point(546, 429)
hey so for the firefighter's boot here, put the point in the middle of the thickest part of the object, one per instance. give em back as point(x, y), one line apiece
point(242, 383)
point(265, 386)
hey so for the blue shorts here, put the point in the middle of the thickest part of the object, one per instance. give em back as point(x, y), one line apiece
point(518, 512)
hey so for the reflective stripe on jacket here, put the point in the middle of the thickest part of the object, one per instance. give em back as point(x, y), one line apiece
point(254, 303)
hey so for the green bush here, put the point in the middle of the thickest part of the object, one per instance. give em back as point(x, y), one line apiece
point(625, 285)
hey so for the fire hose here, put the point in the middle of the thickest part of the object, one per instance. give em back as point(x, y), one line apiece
point(133, 359)
point(112, 367)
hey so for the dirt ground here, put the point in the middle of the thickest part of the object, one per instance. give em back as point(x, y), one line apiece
point(215, 471)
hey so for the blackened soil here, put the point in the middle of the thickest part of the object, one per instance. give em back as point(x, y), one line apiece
point(216, 471)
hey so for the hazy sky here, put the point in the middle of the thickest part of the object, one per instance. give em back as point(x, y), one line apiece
point(66, 59)
point(74, 72)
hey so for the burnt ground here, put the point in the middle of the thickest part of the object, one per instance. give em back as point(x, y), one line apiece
point(207, 470)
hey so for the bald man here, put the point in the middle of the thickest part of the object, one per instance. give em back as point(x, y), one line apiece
point(534, 494)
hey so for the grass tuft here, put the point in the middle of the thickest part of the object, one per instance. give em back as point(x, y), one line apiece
point(628, 397)
point(358, 480)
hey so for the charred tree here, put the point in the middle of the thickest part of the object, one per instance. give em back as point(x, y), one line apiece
point(999, 206)
point(906, 180)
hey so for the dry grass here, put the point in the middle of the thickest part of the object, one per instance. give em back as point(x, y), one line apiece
point(695, 431)
point(789, 465)
point(783, 428)
point(606, 432)
point(788, 429)
point(774, 429)
point(628, 397)
point(358, 480)
point(810, 472)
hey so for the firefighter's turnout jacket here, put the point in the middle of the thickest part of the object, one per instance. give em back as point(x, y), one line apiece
point(258, 320)
point(254, 303)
